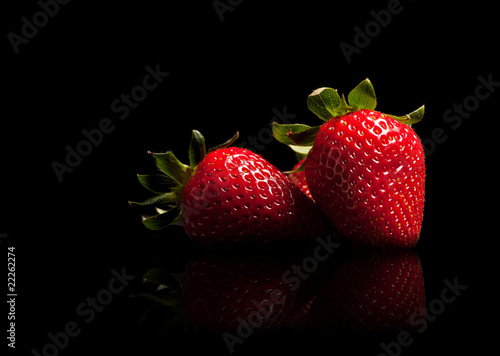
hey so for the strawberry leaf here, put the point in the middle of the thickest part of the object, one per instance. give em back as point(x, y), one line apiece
point(163, 279)
point(417, 115)
point(411, 118)
point(160, 221)
point(162, 200)
point(323, 102)
point(227, 143)
point(282, 131)
point(301, 154)
point(171, 166)
point(300, 151)
point(197, 150)
point(327, 104)
point(304, 138)
point(157, 183)
point(159, 293)
point(363, 96)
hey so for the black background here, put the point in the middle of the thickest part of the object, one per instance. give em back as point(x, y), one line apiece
point(225, 76)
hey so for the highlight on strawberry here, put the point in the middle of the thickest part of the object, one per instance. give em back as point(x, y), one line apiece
point(364, 169)
point(229, 196)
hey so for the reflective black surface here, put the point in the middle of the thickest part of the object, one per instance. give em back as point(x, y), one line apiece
point(326, 294)
point(238, 296)
point(82, 252)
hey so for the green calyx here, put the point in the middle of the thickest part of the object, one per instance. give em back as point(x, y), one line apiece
point(169, 184)
point(327, 104)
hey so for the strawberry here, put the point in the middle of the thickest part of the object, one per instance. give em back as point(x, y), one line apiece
point(299, 178)
point(374, 290)
point(230, 196)
point(365, 169)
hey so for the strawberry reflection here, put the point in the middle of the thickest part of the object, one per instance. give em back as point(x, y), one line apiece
point(248, 293)
point(240, 293)
point(375, 291)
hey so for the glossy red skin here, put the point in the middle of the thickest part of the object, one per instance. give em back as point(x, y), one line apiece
point(366, 171)
point(237, 197)
point(299, 178)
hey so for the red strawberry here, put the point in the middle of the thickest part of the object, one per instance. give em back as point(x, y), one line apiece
point(373, 291)
point(366, 169)
point(299, 178)
point(230, 196)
